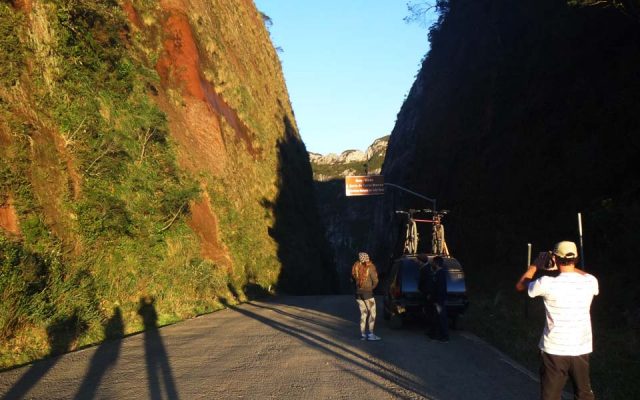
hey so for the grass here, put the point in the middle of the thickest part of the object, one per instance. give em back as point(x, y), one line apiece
point(12, 56)
point(513, 323)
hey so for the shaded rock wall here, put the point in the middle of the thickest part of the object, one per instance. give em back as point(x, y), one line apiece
point(523, 114)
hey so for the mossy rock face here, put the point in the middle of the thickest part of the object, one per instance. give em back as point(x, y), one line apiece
point(12, 50)
point(129, 172)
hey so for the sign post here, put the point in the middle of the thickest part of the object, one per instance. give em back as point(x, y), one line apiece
point(364, 185)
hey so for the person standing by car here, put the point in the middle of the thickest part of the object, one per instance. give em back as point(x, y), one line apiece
point(440, 320)
point(365, 277)
point(566, 341)
point(425, 286)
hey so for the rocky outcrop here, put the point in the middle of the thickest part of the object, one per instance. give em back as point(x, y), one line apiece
point(349, 162)
point(377, 148)
point(347, 156)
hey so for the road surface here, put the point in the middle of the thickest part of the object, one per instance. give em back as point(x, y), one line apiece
point(288, 347)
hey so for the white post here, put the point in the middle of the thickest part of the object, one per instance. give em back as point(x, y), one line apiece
point(581, 244)
point(526, 298)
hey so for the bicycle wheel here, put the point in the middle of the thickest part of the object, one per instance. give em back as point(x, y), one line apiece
point(411, 243)
point(407, 239)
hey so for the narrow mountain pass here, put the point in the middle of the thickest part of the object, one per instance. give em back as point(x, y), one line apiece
point(288, 347)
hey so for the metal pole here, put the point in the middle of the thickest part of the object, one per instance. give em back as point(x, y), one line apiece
point(581, 244)
point(526, 298)
point(433, 201)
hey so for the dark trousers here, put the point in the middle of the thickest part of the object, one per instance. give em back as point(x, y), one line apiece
point(554, 371)
point(439, 322)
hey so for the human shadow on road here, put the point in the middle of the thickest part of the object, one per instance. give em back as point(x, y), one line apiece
point(104, 358)
point(338, 351)
point(158, 367)
point(293, 316)
point(61, 335)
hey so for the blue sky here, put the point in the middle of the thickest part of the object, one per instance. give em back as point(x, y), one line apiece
point(348, 65)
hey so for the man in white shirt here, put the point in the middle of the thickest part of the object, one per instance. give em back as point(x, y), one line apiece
point(566, 341)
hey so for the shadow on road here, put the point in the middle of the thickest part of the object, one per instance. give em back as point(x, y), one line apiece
point(340, 352)
point(104, 358)
point(158, 367)
point(61, 335)
point(293, 316)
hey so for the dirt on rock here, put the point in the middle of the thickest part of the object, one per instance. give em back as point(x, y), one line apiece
point(8, 216)
point(195, 114)
point(205, 224)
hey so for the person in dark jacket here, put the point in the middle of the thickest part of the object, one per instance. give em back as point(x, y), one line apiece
point(439, 297)
point(425, 286)
point(365, 277)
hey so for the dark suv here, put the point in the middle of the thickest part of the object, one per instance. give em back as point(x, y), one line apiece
point(402, 297)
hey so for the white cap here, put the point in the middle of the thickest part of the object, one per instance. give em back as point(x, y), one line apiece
point(566, 249)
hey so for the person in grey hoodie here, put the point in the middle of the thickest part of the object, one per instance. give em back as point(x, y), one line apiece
point(365, 277)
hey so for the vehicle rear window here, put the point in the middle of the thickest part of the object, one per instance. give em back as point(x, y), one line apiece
point(410, 273)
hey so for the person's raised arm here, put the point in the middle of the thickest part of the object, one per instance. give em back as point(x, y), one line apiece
point(539, 263)
point(523, 282)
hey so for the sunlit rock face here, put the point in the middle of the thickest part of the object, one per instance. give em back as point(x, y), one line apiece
point(349, 162)
point(147, 149)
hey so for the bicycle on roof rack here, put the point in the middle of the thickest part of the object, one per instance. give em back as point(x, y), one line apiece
point(411, 239)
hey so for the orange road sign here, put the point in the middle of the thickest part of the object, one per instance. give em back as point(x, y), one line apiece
point(364, 185)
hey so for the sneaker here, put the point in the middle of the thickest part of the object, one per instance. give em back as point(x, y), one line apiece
point(372, 336)
point(363, 336)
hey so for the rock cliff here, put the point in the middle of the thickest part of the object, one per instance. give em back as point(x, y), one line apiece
point(148, 156)
point(523, 115)
point(349, 162)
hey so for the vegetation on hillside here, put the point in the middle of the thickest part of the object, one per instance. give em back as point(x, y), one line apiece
point(524, 114)
point(354, 168)
point(90, 202)
point(93, 169)
point(338, 169)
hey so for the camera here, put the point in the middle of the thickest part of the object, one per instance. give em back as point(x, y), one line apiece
point(550, 264)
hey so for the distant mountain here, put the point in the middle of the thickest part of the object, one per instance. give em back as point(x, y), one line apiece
point(349, 162)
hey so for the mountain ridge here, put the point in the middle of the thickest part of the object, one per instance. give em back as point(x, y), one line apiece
point(350, 162)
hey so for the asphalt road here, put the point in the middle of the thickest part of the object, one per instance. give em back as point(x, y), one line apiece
point(289, 347)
